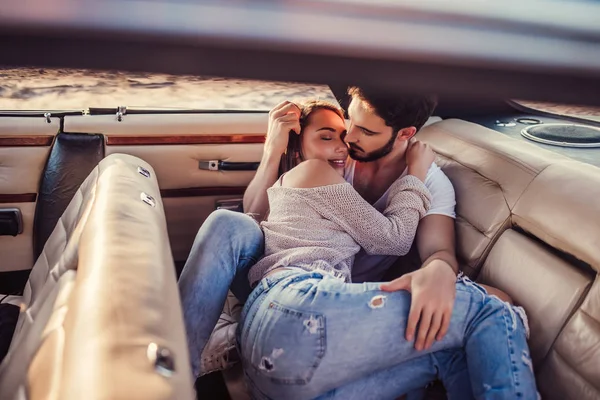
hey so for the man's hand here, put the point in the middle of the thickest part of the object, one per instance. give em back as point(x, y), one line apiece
point(433, 289)
point(419, 157)
point(283, 119)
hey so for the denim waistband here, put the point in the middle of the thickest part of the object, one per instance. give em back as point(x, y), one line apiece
point(289, 275)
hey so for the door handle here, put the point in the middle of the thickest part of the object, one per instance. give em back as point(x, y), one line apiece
point(11, 221)
point(230, 204)
point(220, 165)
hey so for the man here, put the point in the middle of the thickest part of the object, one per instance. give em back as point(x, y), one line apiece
point(378, 135)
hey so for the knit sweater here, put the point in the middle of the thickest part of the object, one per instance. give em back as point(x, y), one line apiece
point(322, 228)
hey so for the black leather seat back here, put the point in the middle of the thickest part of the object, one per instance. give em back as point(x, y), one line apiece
point(72, 158)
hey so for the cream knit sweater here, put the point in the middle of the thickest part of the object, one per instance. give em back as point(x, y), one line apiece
point(322, 228)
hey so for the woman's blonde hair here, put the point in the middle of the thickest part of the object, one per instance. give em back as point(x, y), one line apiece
point(293, 154)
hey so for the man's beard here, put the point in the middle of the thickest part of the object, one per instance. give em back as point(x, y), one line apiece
point(375, 154)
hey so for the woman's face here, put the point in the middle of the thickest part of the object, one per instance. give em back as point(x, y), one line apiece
point(323, 139)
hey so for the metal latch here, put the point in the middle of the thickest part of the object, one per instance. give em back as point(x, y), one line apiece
point(47, 116)
point(121, 110)
point(212, 165)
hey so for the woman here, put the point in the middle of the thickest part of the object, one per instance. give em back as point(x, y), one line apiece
point(308, 332)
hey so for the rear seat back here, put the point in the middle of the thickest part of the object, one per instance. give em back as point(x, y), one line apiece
point(561, 208)
point(101, 316)
point(489, 175)
point(528, 222)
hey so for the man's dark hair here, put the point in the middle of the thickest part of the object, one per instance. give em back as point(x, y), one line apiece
point(398, 111)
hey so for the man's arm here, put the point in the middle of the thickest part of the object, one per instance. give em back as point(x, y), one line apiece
point(435, 240)
point(283, 118)
point(433, 287)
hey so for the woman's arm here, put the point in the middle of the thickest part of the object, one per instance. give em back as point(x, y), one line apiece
point(390, 233)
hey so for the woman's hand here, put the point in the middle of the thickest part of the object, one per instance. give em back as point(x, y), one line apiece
point(283, 118)
point(419, 158)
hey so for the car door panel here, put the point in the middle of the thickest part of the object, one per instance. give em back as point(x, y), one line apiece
point(180, 148)
point(25, 143)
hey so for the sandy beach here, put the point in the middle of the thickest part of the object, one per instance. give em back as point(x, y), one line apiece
point(61, 89)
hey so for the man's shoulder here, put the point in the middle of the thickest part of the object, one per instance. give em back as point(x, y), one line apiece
point(436, 177)
point(443, 198)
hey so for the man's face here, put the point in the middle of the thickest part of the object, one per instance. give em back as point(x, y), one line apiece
point(368, 137)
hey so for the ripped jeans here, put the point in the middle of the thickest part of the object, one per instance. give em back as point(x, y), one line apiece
point(307, 335)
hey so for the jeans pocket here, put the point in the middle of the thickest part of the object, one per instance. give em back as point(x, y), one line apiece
point(289, 346)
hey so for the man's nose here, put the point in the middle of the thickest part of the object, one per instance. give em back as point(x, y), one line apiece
point(351, 135)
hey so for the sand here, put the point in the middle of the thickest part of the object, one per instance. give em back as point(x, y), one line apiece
point(62, 89)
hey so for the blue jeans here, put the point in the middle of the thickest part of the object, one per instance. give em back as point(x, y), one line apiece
point(306, 335)
point(226, 246)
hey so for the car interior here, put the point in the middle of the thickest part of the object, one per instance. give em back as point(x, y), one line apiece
point(99, 210)
point(527, 221)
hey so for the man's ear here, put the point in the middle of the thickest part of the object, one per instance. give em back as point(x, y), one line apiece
point(405, 134)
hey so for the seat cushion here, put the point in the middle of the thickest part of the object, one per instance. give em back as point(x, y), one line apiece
point(572, 370)
point(548, 287)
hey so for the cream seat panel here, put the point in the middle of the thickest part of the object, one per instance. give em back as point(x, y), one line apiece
point(177, 166)
point(185, 215)
point(562, 208)
point(21, 168)
point(548, 287)
point(28, 126)
point(169, 124)
point(127, 276)
point(15, 367)
point(61, 248)
point(45, 369)
point(573, 368)
point(17, 251)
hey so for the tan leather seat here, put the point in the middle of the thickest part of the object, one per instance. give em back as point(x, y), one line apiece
point(101, 317)
point(528, 223)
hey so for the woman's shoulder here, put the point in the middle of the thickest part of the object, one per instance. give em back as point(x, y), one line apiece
point(310, 174)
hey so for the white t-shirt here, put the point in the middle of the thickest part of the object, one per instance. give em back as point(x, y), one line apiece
point(371, 268)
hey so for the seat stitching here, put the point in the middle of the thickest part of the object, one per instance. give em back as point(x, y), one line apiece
point(535, 225)
point(513, 161)
point(481, 175)
point(568, 364)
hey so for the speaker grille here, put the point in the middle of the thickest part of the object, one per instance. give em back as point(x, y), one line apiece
point(565, 135)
